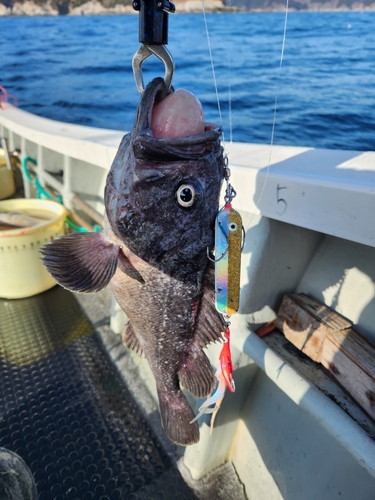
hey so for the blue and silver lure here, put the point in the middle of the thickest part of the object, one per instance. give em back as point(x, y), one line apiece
point(228, 247)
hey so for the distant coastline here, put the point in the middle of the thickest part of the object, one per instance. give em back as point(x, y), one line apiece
point(97, 7)
point(109, 7)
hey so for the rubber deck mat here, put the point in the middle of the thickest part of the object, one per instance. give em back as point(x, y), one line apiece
point(65, 410)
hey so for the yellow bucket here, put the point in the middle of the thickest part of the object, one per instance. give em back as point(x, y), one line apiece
point(22, 273)
point(7, 184)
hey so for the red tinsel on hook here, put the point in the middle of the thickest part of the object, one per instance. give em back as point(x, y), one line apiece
point(225, 359)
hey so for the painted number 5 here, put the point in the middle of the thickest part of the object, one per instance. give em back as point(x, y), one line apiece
point(282, 204)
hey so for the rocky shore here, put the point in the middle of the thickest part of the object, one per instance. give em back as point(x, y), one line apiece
point(99, 7)
point(94, 7)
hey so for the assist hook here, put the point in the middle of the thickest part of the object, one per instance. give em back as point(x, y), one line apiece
point(153, 34)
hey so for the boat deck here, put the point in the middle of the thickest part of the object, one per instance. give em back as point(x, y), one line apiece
point(66, 411)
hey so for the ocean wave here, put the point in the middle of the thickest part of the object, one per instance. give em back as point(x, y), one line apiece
point(92, 70)
point(79, 70)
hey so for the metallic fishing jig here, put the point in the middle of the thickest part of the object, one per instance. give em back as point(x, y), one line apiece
point(229, 242)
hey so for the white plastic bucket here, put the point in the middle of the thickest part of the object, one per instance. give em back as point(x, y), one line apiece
point(22, 273)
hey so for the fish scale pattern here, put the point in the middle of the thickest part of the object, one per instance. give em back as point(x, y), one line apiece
point(65, 410)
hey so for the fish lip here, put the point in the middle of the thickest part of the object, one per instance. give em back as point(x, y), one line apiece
point(150, 148)
point(211, 133)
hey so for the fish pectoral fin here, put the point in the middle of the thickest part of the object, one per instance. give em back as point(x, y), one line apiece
point(127, 267)
point(196, 374)
point(176, 415)
point(81, 262)
point(131, 342)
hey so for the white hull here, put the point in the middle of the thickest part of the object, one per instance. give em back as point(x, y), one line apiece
point(310, 227)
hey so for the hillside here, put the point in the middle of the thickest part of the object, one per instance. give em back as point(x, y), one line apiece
point(90, 7)
point(302, 5)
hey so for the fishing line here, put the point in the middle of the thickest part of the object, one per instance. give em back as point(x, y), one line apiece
point(229, 54)
point(230, 115)
point(230, 97)
point(279, 76)
point(229, 242)
point(275, 104)
point(213, 68)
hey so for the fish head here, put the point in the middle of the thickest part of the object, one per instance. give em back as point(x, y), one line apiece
point(162, 194)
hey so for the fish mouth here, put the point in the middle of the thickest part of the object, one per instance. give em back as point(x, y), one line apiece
point(162, 194)
point(147, 147)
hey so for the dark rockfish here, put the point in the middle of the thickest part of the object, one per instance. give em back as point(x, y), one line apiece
point(161, 200)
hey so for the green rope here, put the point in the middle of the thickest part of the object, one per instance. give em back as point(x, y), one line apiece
point(80, 229)
point(73, 226)
point(42, 192)
point(25, 169)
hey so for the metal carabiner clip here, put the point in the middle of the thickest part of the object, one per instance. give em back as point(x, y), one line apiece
point(143, 53)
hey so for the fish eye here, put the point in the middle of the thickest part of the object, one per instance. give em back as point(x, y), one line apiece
point(188, 194)
point(232, 226)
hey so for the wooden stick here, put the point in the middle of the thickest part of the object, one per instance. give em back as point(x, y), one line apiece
point(81, 221)
point(329, 338)
point(88, 210)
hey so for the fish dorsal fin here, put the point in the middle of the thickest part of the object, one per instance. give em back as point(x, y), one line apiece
point(81, 262)
point(210, 323)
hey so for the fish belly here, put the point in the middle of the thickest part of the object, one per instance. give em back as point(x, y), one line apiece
point(162, 314)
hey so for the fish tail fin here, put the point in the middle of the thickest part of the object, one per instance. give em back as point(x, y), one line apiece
point(196, 374)
point(176, 415)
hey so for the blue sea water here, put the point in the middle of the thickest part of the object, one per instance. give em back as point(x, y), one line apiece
point(78, 69)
